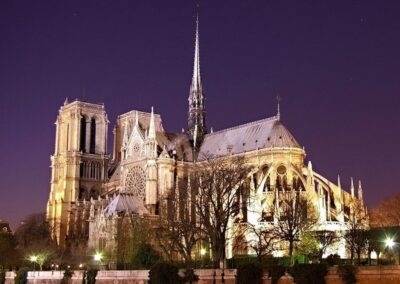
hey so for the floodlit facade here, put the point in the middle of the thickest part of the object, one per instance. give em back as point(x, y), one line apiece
point(91, 190)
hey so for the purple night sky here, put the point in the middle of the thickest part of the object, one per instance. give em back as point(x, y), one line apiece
point(336, 67)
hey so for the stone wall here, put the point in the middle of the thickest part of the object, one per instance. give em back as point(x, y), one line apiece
point(365, 275)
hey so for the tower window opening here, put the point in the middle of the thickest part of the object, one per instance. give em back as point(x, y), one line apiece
point(93, 136)
point(82, 146)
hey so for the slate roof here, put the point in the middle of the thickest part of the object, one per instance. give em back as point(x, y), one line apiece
point(125, 202)
point(261, 134)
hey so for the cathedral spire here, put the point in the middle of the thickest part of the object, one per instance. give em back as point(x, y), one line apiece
point(352, 187)
point(360, 191)
point(196, 79)
point(152, 128)
point(196, 120)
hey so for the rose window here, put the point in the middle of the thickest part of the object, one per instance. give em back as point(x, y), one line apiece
point(135, 181)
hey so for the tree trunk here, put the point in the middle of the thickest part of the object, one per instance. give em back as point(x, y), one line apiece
point(291, 252)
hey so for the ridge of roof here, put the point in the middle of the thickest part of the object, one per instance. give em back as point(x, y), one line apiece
point(272, 118)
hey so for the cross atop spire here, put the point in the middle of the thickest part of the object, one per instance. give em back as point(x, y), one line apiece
point(278, 113)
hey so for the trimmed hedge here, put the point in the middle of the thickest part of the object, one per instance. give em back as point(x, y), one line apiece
point(309, 273)
point(2, 276)
point(249, 273)
point(164, 273)
point(276, 272)
point(348, 273)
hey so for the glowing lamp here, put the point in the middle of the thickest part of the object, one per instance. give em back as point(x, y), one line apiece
point(202, 251)
point(98, 256)
point(389, 243)
point(33, 258)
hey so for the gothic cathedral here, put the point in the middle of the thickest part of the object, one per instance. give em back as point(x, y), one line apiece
point(90, 188)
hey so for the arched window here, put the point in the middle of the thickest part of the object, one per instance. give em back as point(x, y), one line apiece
point(93, 136)
point(82, 145)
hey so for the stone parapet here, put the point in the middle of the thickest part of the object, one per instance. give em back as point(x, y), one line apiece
point(365, 275)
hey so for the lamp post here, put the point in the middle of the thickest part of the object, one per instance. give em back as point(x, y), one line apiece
point(33, 259)
point(202, 254)
point(97, 258)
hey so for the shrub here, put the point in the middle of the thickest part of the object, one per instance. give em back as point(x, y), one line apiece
point(21, 275)
point(347, 273)
point(164, 273)
point(190, 276)
point(2, 276)
point(333, 259)
point(249, 273)
point(145, 256)
point(90, 276)
point(67, 276)
point(309, 273)
point(276, 272)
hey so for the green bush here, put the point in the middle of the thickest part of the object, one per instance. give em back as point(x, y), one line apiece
point(2, 276)
point(276, 272)
point(145, 256)
point(21, 275)
point(164, 273)
point(348, 273)
point(90, 276)
point(249, 273)
point(309, 273)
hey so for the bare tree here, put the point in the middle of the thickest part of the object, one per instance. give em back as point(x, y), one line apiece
point(262, 241)
point(296, 215)
point(219, 185)
point(33, 236)
point(356, 234)
point(387, 212)
point(178, 230)
point(325, 239)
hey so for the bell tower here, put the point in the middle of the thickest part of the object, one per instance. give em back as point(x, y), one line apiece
point(79, 162)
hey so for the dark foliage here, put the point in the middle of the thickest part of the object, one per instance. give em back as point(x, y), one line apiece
point(333, 259)
point(90, 276)
point(249, 273)
point(67, 276)
point(2, 276)
point(309, 273)
point(276, 272)
point(8, 251)
point(21, 275)
point(348, 273)
point(164, 273)
point(145, 256)
point(190, 276)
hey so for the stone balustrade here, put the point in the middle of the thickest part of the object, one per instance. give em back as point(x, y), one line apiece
point(365, 275)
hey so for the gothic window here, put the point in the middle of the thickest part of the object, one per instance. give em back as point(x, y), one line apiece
point(93, 136)
point(82, 146)
point(135, 181)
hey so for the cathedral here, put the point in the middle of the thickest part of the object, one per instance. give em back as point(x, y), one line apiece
point(91, 186)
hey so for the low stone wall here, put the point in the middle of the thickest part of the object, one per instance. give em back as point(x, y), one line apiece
point(365, 275)
point(10, 275)
point(369, 275)
point(122, 276)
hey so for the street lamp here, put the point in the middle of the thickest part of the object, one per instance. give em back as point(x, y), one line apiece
point(33, 259)
point(389, 243)
point(98, 256)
